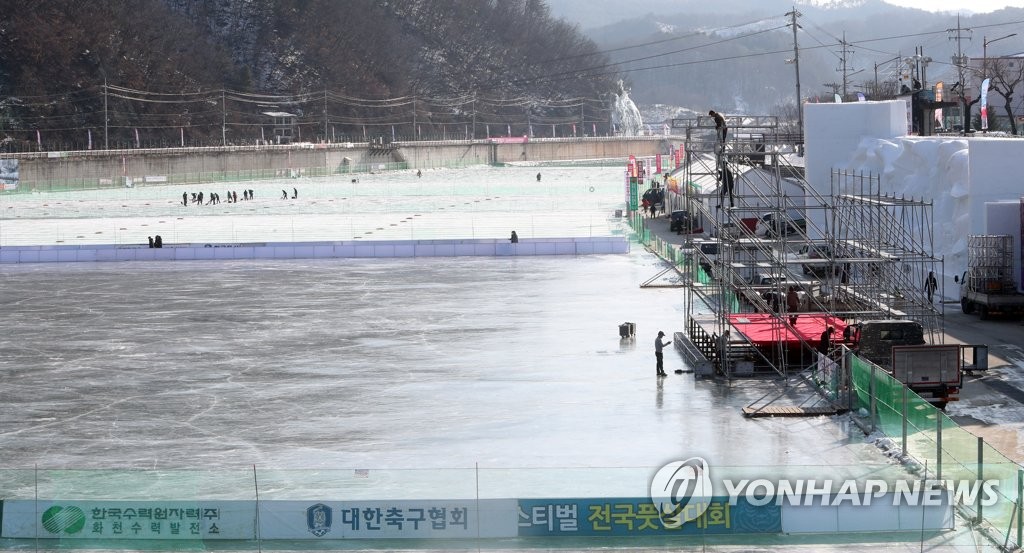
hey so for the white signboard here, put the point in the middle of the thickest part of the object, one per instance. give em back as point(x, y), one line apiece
point(136, 520)
point(333, 520)
point(236, 520)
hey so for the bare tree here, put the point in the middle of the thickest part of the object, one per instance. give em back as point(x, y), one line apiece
point(1006, 74)
point(788, 117)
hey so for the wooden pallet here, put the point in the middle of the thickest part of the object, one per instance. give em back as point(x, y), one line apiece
point(791, 411)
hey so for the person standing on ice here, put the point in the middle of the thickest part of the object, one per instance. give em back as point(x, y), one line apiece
point(658, 346)
point(721, 344)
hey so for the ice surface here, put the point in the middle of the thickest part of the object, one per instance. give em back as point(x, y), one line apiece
point(360, 363)
point(316, 365)
point(482, 202)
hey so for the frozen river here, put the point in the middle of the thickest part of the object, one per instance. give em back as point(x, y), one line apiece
point(371, 364)
point(415, 378)
point(363, 363)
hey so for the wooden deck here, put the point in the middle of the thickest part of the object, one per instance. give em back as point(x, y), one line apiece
point(791, 411)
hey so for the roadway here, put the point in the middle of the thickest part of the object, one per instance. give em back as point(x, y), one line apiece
point(991, 402)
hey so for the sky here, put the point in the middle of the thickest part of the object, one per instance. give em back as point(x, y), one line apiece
point(974, 6)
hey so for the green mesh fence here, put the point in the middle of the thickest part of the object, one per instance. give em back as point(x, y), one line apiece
point(947, 451)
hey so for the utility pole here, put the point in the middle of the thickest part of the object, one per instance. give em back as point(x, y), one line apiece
point(921, 62)
point(106, 116)
point(325, 115)
point(845, 53)
point(223, 118)
point(960, 61)
point(583, 119)
point(796, 62)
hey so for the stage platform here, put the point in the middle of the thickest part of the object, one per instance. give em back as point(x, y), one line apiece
point(768, 329)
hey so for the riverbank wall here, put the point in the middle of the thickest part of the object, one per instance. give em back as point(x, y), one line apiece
point(79, 170)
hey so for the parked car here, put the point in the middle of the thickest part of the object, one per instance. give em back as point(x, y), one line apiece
point(768, 225)
point(822, 253)
point(709, 257)
point(680, 222)
point(727, 230)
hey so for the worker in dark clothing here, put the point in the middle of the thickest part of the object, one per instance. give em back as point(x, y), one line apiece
point(792, 300)
point(930, 285)
point(725, 175)
point(825, 341)
point(658, 345)
point(720, 126)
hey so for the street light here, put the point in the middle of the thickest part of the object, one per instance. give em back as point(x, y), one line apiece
point(984, 50)
point(897, 58)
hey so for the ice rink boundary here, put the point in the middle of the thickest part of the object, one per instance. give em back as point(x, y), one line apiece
point(315, 250)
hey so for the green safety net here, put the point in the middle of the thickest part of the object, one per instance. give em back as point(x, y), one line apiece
point(945, 450)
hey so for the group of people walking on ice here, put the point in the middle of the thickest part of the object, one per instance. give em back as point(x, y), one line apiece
point(214, 198)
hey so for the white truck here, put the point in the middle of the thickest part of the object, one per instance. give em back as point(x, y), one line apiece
point(987, 286)
point(935, 372)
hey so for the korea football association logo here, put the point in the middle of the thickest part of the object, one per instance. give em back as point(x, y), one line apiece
point(682, 491)
point(318, 519)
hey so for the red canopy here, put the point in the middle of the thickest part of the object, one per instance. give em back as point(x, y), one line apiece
point(764, 329)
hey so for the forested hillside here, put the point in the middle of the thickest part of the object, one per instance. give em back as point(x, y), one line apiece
point(71, 68)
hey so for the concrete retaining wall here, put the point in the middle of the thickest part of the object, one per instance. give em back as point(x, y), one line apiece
point(116, 168)
point(311, 250)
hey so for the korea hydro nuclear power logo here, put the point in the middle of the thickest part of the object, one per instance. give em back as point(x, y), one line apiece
point(681, 490)
point(318, 519)
point(63, 520)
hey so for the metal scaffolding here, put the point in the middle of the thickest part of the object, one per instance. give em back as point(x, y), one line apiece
point(855, 255)
point(745, 263)
point(883, 250)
